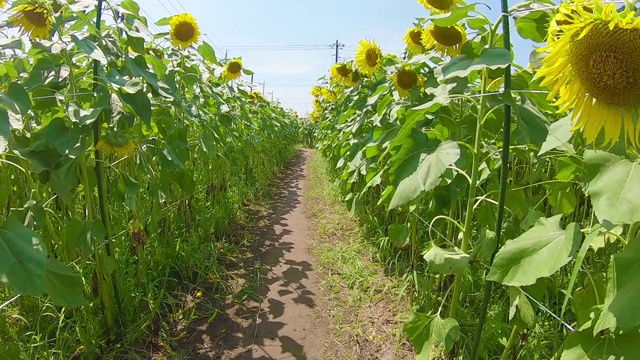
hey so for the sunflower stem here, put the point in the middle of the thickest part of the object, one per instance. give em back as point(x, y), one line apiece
point(99, 170)
point(475, 174)
point(504, 172)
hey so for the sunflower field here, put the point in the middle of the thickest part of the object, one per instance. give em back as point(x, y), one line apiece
point(507, 196)
point(124, 158)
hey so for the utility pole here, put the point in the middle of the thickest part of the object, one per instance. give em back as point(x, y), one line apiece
point(263, 84)
point(338, 46)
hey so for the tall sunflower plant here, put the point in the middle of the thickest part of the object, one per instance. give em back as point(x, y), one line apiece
point(525, 233)
point(111, 140)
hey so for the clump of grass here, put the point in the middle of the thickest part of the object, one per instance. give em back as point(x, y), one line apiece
point(365, 302)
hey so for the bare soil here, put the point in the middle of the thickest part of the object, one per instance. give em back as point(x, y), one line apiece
point(277, 311)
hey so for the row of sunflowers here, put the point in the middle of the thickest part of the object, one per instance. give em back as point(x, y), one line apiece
point(506, 196)
point(124, 158)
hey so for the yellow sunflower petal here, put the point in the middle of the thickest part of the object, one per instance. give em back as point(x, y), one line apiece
point(184, 30)
point(442, 6)
point(232, 70)
point(594, 68)
point(368, 57)
point(34, 20)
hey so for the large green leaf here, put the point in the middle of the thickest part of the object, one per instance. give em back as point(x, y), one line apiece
point(559, 137)
point(447, 261)
point(583, 346)
point(22, 258)
point(533, 25)
point(622, 298)
point(427, 174)
point(612, 183)
point(537, 253)
point(431, 336)
point(462, 66)
point(521, 312)
point(64, 286)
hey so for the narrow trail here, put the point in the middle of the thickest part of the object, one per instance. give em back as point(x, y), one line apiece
point(284, 320)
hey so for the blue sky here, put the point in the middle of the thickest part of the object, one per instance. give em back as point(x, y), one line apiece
point(289, 74)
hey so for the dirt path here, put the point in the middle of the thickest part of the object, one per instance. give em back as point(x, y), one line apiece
point(282, 318)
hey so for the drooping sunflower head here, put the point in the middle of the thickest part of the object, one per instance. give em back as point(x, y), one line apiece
point(317, 105)
point(413, 39)
point(316, 91)
point(446, 40)
point(184, 30)
point(117, 144)
point(404, 80)
point(341, 73)
point(368, 57)
point(233, 69)
point(441, 6)
point(329, 95)
point(354, 78)
point(593, 67)
point(34, 18)
point(255, 96)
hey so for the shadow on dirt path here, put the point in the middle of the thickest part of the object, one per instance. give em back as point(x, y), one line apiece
point(275, 313)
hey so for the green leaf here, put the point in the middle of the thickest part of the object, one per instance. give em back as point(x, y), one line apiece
point(612, 184)
point(534, 25)
point(90, 48)
point(10, 351)
point(462, 66)
point(521, 312)
point(584, 299)
point(64, 286)
point(559, 137)
point(207, 52)
point(622, 299)
point(427, 172)
point(537, 253)
point(431, 336)
point(399, 234)
point(452, 17)
point(533, 126)
point(447, 261)
point(140, 103)
point(19, 96)
point(583, 346)
point(81, 116)
point(22, 258)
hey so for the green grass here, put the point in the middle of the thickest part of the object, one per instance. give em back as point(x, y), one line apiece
point(365, 302)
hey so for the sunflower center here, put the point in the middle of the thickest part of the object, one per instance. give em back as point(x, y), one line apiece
point(606, 62)
point(37, 17)
point(184, 31)
point(416, 37)
point(407, 79)
point(343, 70)
point(355, 76)
point(234, 67)
point(447, 35)
point(371, 56)
point(441, 4)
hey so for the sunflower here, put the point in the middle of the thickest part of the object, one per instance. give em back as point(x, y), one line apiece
point(354, 78)
point(442, 6)
point(233, 69)
point(413, 39)
point(317, 105)
point(3, 3)
point(594, 68)
point(34, 18)
point(404, 80)
point(120, 145)
point(184, 30)
point(255, 96)
point(447, 40)
point(565, 15)
point(368, 57)
point(329, 95)
point(341, 73)
point(316, 91)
